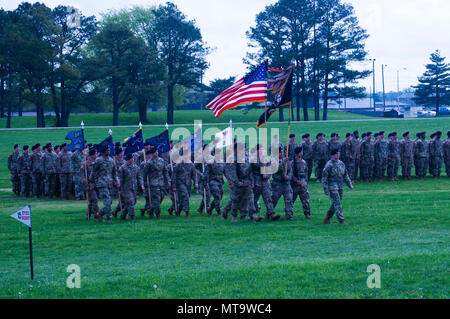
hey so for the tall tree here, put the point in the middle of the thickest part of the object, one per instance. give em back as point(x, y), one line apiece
point(181, 49)
point(433, 89)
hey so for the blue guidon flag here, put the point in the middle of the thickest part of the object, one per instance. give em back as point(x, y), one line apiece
point(77, 138)
point(107, 142)
point(160, 142)
point(250, 89)
point(134, 143)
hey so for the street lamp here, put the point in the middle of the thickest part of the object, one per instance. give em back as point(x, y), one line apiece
point(373, 73)
point(384, 92)
point(398, 86)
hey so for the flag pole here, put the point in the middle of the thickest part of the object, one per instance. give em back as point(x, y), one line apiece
point(115, 166)
point(171, 169)
point(203, 169)
point(88, 216)
point(148, 181)
point(31, 249)
point(287, 144)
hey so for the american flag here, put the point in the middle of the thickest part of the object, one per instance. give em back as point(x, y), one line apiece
point(251, 88)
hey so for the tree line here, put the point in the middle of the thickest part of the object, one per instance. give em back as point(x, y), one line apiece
point(63, 59)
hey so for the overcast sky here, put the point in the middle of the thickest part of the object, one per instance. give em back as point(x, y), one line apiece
point(403, 33)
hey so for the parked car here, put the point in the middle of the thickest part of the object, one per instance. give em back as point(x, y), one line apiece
point(444, 111)
point(426, 113)
point(394, 114)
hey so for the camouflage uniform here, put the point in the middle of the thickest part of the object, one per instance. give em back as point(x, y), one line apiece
point(436, 154)
point(104, 176)
point(446, 153)
point(24, 169)
point(130, 179)
point(300, 185)
point(119, 162)
point(36, 175)
point(203, 186)
point(357, 157)
point(64, 169)
point(155, 171)
point(308, 156)
point(407, 157)
point(367, 159)
point(321, 155)
point(183, 175)
point(262, 187)
point(214, 172)
point(348, 152)
point(393, 159)
point(89, 185)
point(280, 186)
point(292, 147)
point(49, 169)
point(381, 158)
point(421, 156)
point(241, 195)
point(334, 176)
point(76, 163)
point(169, 191)
point(333, 145)
point(13, 160)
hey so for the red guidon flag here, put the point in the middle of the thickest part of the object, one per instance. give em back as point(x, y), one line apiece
point(251, 88)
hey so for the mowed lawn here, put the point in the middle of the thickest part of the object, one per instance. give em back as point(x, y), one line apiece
point(401, 226)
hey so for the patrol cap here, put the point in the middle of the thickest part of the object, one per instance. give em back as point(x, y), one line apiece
point(334, 152)
point(306, 136)
point(355, 133)
point(119, 151)
point(56, 146)
point(16, 146)
point(64, 145)
point(390, 135)
point(348, 134)
point(117, 144)
point(363, 135)
point(298, 150)
point(33, 147)
point(38, 144)
point(152, 151)
point(376, 134)
point(292, 136)
point(433, 135)
point(319, 135)
point(25, 147)
point(105, 148)
point(128, 157)
point(333, 134)
point(381, 133)
point(369, 134)
point(405, 134)
point(438, 133)
point(92, 152)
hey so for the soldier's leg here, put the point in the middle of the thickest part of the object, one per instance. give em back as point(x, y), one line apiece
point(250, 203)
point(447, 167)
point(336, 206)
point(105, 195)
point(235, 203)
point(310, 164)
point(304, 197)
point(93, 203)
point(317, 171)
point(156, 193)
point(215, 193)
point(23, 184)
point(288, 205)
point(276, 194)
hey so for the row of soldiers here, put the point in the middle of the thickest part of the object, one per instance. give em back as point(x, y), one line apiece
point(374, 157)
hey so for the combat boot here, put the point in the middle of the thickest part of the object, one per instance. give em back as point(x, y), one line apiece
point(170, 211)
point(115, 212)
point(275, 217)
point(326, 221)
point(225, 214)
point(342, 222)
point(178, 213)
point(234, 220)
point(209, 211)
point(256, 218)
point(200, 210)
point(109, 219)
point(132, 218)
point(188, 215)
point(100, 218)
point(123, 216)
point(143, 212)
point(308, 216)
point(219, 212)
point(150, 213)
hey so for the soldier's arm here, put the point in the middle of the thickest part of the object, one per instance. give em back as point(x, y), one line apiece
point(140, 178)
point(325, 179)
point(166, 174)
point(289, 171)
point(347, 179)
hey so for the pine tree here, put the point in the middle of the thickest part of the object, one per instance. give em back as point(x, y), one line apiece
point(433, 89)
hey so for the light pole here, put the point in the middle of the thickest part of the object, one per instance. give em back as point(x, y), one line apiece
point(398, 86)
point(373, 73)
point(384, 92)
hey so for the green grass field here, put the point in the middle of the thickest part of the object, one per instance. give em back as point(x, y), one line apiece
point(401, 226)
point(160, 118)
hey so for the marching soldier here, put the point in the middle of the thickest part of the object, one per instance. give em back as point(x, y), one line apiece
point(156, 173)
point(104, 176)
point(260, 181)
point(308, 155)
point(57, 150)
point(436, 154)
point(64, 170)
point(146, 183)
point(130, 179)
point(49, 170)
point(393, 157)
point(24, 169)
point(119, 161)
point(407, 155)
point(76, 163)
point(36, 175)
point(89, 185)
point(214, 172)
point(421, 155)
point(203, 183)
point(320, 151)
point(367, 157)
point(239, 174)
point(183, 175)
point(13, 161)
point(300, 182)
point(334, 176)
point(381, 157)
point(446, 153)
point(348, 154)
point(281, 186)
